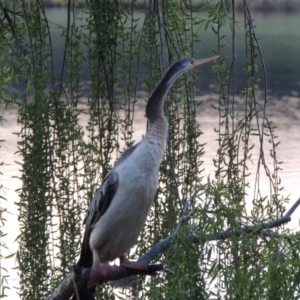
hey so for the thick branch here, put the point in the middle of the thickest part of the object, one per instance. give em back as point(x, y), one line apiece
point(66, 288)
point(81, 276)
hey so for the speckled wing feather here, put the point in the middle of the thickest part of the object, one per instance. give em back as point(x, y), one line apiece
point(97, 208)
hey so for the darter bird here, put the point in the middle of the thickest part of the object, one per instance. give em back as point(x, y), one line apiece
point(119, 209)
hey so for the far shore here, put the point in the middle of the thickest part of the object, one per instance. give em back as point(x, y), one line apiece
point(266, 6)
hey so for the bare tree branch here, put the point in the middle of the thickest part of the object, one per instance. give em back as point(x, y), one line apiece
point(259, 228)
point(65, 290)
point(81, 276)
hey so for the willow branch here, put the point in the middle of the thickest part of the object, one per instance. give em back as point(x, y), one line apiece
point(259, 229)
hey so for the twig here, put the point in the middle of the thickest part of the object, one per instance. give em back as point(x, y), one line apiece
point(259, 228)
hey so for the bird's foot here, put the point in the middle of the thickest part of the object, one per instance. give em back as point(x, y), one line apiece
point(125, 262)
point(101, 273)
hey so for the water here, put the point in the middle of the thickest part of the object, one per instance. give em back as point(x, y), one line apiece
point(278, 36)
point(280, 42)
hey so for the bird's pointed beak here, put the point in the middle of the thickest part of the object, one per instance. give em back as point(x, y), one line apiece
point(202, 61)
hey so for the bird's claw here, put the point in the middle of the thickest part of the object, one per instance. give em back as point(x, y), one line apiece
point(101, 273)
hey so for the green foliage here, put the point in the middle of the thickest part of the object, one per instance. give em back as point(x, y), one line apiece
point(106, 48)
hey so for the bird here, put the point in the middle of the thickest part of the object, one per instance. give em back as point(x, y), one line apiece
point(118, 211)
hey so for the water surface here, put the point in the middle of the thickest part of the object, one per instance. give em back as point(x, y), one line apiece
point(280, 41)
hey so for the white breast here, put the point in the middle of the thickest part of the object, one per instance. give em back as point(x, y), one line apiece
point(118, 229)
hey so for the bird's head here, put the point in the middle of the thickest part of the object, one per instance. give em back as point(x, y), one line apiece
point(184, 65)
point(154, 107)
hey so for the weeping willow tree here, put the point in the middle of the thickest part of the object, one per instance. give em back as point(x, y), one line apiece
point(77, 114)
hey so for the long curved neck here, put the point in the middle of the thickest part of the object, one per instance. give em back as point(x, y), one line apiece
point(158, 123)
point(155, 105)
